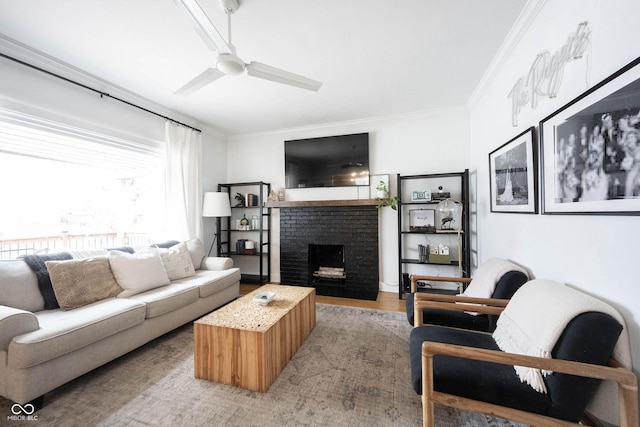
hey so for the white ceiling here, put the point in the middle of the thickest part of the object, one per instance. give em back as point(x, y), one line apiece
point(375, 57)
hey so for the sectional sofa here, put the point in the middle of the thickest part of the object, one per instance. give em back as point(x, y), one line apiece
point(63, 315)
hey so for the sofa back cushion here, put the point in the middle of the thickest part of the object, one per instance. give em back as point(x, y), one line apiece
point(590, 338)
point(79, 282)
point(19, 286)
point(508, 284)
point(89, 253)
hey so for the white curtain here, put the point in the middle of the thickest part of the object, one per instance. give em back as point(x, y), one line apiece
point(184, 182)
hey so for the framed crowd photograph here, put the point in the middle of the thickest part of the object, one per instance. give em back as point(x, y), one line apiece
point(513, 175)
point(591, 149)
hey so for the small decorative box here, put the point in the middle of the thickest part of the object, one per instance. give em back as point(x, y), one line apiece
point(439, 259)
point(264, 298)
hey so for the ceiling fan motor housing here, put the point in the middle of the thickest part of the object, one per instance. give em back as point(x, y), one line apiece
point(229, 5)
point(229, 64)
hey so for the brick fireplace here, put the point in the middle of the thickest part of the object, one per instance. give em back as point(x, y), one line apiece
point(353, 229)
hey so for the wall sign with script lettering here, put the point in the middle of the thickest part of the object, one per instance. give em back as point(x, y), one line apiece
point(545, 75)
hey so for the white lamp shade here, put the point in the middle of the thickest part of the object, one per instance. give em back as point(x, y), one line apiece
point(216, 204)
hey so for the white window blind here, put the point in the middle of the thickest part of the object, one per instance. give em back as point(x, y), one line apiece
point(27, 135)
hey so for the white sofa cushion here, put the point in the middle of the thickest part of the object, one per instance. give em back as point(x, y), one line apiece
point(177, 261)
point(19, 286)
point(210, 282)
point(79, 282)
point(167, 298)
point(138, 272)
point(62, 332)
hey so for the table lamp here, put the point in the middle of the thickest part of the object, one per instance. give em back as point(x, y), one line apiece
point(216, 204)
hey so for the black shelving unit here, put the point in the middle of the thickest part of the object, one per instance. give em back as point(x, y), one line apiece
point(457, 185)
point(229, 234)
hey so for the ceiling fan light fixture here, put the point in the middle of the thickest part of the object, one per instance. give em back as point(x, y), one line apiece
point(229, 64)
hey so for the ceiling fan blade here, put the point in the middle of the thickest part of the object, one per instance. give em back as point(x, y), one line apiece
point(201, 80)
point(267, 72)
point(203, 26)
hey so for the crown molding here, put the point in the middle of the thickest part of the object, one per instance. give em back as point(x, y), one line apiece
point(364, 123)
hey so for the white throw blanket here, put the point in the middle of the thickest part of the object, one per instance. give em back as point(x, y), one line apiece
point(537, 315)
point(487, 276)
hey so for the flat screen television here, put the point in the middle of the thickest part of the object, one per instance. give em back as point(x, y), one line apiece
point(332, 161)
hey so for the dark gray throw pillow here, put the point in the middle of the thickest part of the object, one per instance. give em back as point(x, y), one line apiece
point(167, 244)
point(127, 249)
point(37, 264)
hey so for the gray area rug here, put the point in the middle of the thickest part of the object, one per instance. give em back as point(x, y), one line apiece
point(353, 370)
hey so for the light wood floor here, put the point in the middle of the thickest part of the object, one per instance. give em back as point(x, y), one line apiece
point(386, 300)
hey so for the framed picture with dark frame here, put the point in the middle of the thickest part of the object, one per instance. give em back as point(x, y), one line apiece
point(591, 149)
point(513, 175)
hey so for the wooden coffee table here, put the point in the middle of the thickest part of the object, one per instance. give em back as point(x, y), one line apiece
point(246, 344)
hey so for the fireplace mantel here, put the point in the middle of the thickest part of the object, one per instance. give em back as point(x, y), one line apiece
point(316, 203)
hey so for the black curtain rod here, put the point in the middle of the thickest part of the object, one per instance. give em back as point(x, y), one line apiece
point(102, 94)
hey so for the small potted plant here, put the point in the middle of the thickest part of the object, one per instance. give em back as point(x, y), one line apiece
point(384, 197)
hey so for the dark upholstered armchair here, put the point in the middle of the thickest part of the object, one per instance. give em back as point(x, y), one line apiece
point(468, 370)
point(506, 282)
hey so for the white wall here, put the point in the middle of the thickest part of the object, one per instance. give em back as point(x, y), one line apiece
point(595, 253)
point(427, 142)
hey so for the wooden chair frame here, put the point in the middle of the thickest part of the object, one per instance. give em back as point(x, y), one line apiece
point(625, 378)
point(456, 303)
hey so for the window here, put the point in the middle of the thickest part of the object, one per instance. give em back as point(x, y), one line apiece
point(66, 188)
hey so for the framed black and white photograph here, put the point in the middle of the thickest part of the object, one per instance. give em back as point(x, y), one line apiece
point(513, 170)
point(422, 219)
point(591, 149)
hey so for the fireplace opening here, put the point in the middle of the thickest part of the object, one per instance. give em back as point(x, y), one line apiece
point(327, 265)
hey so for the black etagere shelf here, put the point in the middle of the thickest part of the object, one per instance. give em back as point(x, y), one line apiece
point(457, 185)
point(229, 234)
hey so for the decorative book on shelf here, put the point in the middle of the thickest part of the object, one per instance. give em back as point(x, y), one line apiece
point(251, 200)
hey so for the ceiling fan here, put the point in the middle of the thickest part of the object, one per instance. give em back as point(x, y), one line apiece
point(227, 62)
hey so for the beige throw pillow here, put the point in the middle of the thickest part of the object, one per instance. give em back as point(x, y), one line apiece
point(177, 261)
point(79, 282)
point(138, 272)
